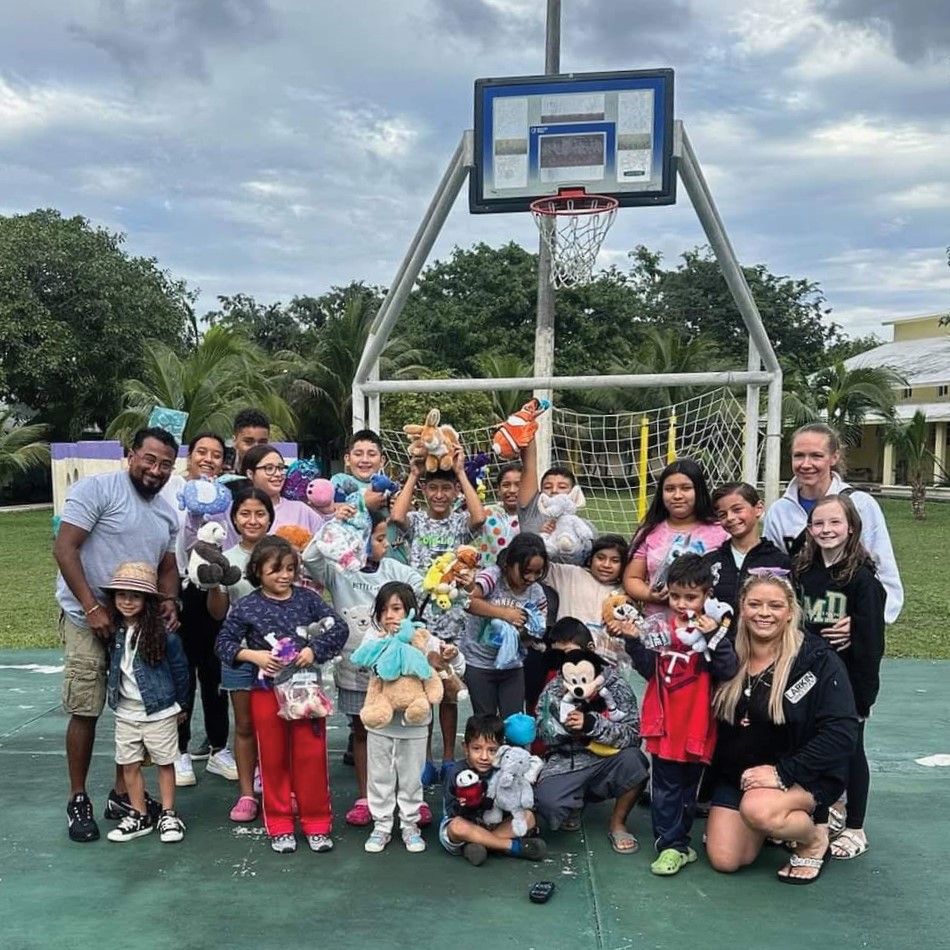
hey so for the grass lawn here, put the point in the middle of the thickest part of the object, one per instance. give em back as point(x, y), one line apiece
point(28, 609)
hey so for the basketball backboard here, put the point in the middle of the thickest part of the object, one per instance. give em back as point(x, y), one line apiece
point(608, 133)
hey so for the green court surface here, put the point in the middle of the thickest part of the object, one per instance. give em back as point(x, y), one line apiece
point(223, 887)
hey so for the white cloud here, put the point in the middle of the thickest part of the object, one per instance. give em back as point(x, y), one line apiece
point(925, 196)
point(273, 190)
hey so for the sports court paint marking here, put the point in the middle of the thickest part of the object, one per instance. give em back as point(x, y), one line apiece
point(934, 760)
point(34, 667)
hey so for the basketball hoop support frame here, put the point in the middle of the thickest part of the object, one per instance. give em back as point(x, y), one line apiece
point(367, 386)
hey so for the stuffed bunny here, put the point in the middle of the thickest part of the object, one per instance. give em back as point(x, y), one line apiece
point(570, 541)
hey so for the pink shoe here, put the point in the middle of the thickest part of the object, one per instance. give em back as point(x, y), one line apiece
point(425, 815)
point(245, 809)
point(359, 814)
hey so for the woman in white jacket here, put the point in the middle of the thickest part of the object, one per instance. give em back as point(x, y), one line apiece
point(816, 464)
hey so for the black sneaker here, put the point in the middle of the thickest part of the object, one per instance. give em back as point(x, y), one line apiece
point(474, 853)
point(170, 827)
point(82, 825)
point(118, 806)
point(532, 849)
point(133, 825)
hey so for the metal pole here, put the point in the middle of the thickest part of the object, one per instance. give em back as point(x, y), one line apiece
point(544, 331)
point(773, 439)
point(750, 465)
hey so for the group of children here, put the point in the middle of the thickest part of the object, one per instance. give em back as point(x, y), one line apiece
point(685, 568)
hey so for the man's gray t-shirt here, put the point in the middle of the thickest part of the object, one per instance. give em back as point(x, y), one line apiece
point(121, 525)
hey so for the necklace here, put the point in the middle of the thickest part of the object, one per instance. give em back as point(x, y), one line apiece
point(751, 683)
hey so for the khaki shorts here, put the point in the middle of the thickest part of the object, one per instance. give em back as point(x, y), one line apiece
point(84, 670)
point(159, 738)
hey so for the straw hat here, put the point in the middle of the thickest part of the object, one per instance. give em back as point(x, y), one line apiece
point(134, 575)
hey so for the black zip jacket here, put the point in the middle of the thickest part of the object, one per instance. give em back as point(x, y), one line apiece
point(728, 580)
point(825, 601)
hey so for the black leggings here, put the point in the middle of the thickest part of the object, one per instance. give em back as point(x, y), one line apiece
point(495, 692)
point(198, 632)
point(859, 783)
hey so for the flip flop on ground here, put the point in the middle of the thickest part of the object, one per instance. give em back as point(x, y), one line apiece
point(623, 842)
point(849, 844)
point(573, 821)
point(817, 864)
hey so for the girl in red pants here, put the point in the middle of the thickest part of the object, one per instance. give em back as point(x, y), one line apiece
point(293, 754)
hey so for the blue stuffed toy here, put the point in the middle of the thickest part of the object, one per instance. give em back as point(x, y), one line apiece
point(203, 496)
point(507, 639)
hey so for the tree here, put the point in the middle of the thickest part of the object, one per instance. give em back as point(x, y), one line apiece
point(845, 397)
point(505, 366)
point(912, 448)
point(320, 384)
point(222, 375)
point(269, 326)
point(74, 312)
point(21, 447)
point(695, 298)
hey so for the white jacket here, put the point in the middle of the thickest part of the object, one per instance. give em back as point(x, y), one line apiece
point(786, 520)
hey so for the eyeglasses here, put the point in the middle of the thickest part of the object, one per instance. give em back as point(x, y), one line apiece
point(271, 469)
point(151, 461)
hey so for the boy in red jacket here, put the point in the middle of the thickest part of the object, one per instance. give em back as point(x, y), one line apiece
point(677, 721)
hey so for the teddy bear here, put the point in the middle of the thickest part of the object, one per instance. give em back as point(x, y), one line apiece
point(204, 496)
point(454, 689)
point(448, 574)
point(434, 442)
point(403, 681)
point(570, 541)
point(470, 791)
point(584, 691)
point(618, 607)
point(509, 788)
point(207, 566)
point(518, 429)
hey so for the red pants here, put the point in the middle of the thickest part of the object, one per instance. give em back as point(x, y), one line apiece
point(293, 758)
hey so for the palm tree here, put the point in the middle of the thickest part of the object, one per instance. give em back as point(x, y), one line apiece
point(21, 447)
point(911, 446)
point(845, 397)
point(320, 387)
point(221, 375)
point(501, 366)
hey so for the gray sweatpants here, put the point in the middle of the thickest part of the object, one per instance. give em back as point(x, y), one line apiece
point(394, 777)
point(557, 795)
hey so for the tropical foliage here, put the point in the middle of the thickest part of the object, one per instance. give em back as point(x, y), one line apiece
point(21, 447)
point(912, 449)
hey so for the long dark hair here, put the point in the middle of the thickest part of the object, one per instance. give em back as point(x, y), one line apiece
point(523, 548)
point(243, 494)
point(270, 548)
point(657, 513)
point(255, 455)
point(149, 635)
point(853, 557)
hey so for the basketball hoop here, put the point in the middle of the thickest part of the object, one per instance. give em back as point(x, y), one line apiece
point(573, 225)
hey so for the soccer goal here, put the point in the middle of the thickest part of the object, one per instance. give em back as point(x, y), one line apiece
point(617, 457)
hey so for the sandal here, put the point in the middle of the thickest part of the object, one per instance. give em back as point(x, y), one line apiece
point(836, 819)
point(849, 844)
point(672, 861)
point(795, 861)
point(623, 842)
point(573, 820)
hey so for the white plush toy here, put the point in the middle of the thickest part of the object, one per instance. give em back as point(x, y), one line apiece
point(572, 537)
point(207, 566)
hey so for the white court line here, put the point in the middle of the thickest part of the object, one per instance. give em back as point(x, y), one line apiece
point(933, 760)
point(32, 667)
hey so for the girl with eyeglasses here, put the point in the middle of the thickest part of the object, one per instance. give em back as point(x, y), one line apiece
point(266, 470)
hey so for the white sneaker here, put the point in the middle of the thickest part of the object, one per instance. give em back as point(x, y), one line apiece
point(184, 771)
point(320, 843)
point(222, 763)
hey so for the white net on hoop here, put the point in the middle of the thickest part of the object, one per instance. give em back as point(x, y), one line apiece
point(604, 450)
point(573, 230)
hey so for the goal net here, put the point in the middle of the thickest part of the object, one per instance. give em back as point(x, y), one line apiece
point(604, 451)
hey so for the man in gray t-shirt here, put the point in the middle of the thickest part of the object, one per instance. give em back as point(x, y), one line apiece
point(107, 520)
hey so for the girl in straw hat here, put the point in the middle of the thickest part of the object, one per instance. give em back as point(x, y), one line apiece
point(148, 690)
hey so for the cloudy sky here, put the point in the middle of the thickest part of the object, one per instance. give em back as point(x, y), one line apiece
point(277, 147)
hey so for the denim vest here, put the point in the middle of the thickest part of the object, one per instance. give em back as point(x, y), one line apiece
point(161, 686)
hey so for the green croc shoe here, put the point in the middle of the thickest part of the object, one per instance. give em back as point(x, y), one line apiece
point(672, 861)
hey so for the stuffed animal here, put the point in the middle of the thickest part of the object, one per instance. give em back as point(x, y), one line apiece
point(570, 541)
point(721, 612)
point(509, 788)
point(300, 473)
point(520, 729)
point(507, 638)
point(320, 495)
point(470, 790)
point(298, 691)
point(618, 607)
point(298, 536)
point(207, 566)
point(679, 547)
point(434, 442)
point(403, 679)
point(584, 691)
point(345, 543)
point(518, 429)
point(283, 649)
point(449, 574)
point(383, 484)
point(454, 689)
point(688, 634)
point(203, 496)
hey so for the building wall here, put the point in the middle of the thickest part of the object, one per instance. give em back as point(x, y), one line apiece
point(924, 394)
point(918, 329)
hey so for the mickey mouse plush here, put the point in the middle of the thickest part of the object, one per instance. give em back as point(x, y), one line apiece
point(584, 691)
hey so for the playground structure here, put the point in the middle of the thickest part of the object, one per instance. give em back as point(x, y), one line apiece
point(665, 144)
